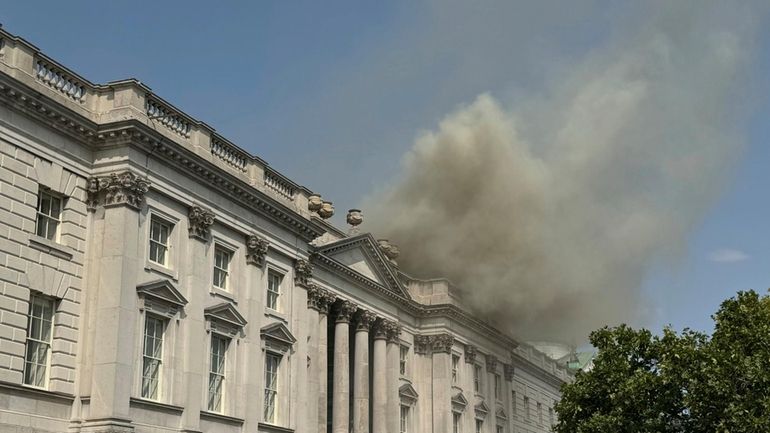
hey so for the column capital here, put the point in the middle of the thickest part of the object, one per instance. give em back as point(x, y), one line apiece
point(256, 249)
point(393, 330)
point(491, 363)
point(442, 343)
point(380, 329)
point(303, 271)
point(422, 344)
point(470, 353)
point(364, 320)
point(200, 221)
point(325, 301)
point(345, 311)
point(116, 189)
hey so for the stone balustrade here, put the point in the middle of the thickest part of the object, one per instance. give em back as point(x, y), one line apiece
point(279, 184)
point(228, 153)
point(168, 117)
point(55, 78)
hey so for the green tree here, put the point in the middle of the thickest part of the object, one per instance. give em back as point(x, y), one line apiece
point(672, 382)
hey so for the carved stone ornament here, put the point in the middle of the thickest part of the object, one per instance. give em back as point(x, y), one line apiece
point(422, 344)
point(200, 222)
point(380, 329)
point(508, 371)
point(314, 202)
point(470, 354)
point(256, 249)
point(491, 363)
point(115, 190)
point(327, 210)
point(345, 311)
point(394, 331)
point(354, 218)
point(364, 320)
point(442, 343)
point(325, 301)
point(389, 250)
point(303, 271)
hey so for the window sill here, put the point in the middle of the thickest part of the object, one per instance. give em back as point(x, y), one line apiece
point(276, 315)
point(156, 405)
point(160, 269)
point(50, 247)
point(7, 388)
point(270, 428)
point(221, 417)
point(219, 293)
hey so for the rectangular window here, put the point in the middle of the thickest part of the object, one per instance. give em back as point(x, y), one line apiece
point(514, 407)
point(539, 413)
point(217, 372)
point(159, 231)
point(477, 378)
point(221, 267)
point(274, 280)
point(152, 357)
point(550, 416)
point(271, 385)
point(48, 215)
point(456, 422)
point(402, 359)
point(499, 429)
point(479, 425)
point(455, 367)
point(498, 387)
point(526, 408)
point(39, 334)
point(404, 419)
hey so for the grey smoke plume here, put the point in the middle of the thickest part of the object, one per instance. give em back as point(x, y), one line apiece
point(547, 213)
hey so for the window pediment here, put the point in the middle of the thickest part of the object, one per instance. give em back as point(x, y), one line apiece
point(500, 414)
point(459, 402)
point(481, 410)
point(277, 336)
point(162, 291)
point(224, 318)
point(408, 394)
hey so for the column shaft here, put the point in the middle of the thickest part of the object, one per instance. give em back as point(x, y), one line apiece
point(323, 367)
point(393, 404)
point(341, 397)
point(314, 375)
point(361, 379)
point(379, 383)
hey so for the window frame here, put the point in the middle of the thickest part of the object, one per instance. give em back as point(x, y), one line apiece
point(498, 384)
point(43, 192)
point(455, 368)
point(29, 341)
point(457, 422)
point(274, 273)
point(227, 286)
point(478, 385)
point(159, 394)
point(164, 223)
point(404, 418)
point(403, 359)
point(527, 414)
point(479, 425)
point(276, 387)
point(222, 375)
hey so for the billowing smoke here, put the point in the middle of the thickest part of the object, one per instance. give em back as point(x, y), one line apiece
point(546, 214)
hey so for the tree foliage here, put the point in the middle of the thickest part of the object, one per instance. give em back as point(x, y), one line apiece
point(677, 382)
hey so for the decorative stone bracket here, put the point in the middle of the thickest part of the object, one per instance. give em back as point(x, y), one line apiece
point(124, 189)
point(508, 371)
point(470, 354)
point(491, 363)
point(429, 344)
point(256, 250)
point(200, 221)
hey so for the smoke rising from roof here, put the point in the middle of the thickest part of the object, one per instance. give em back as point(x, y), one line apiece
point(546, 214)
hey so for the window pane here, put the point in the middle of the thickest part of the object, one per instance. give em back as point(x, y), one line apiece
point(39, 333)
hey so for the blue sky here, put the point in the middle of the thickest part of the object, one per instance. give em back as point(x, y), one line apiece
point(333, 94)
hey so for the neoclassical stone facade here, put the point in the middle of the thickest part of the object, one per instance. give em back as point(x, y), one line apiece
point(157, 278)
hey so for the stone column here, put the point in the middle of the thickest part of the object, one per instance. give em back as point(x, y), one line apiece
point(441, 348)
point(314, 374)
point(341, 397)
point(117, 200)
point(324, 302)
point(364, 321)
point(379, 381)
point(393, 404)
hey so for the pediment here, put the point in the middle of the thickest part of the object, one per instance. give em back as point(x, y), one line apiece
point(278, 332)
point(407, 393)
point(459, 400)
point(162, 290)
point(500, 414)
point(482, 409)
point(226, 313)
point(362, 255)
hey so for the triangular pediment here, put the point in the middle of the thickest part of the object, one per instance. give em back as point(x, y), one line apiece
point(407, 393)
point(278, 332)
point(500, 414)
point(225, 312)
point(162, 290)
point(459, 400)
point(362, 255)
point(482, 409)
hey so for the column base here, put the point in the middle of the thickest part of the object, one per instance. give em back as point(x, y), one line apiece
point(107, 425)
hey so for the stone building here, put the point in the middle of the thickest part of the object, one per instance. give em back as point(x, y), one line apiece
point(157, 278)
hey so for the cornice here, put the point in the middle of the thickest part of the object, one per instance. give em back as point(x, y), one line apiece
point(527, 365)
